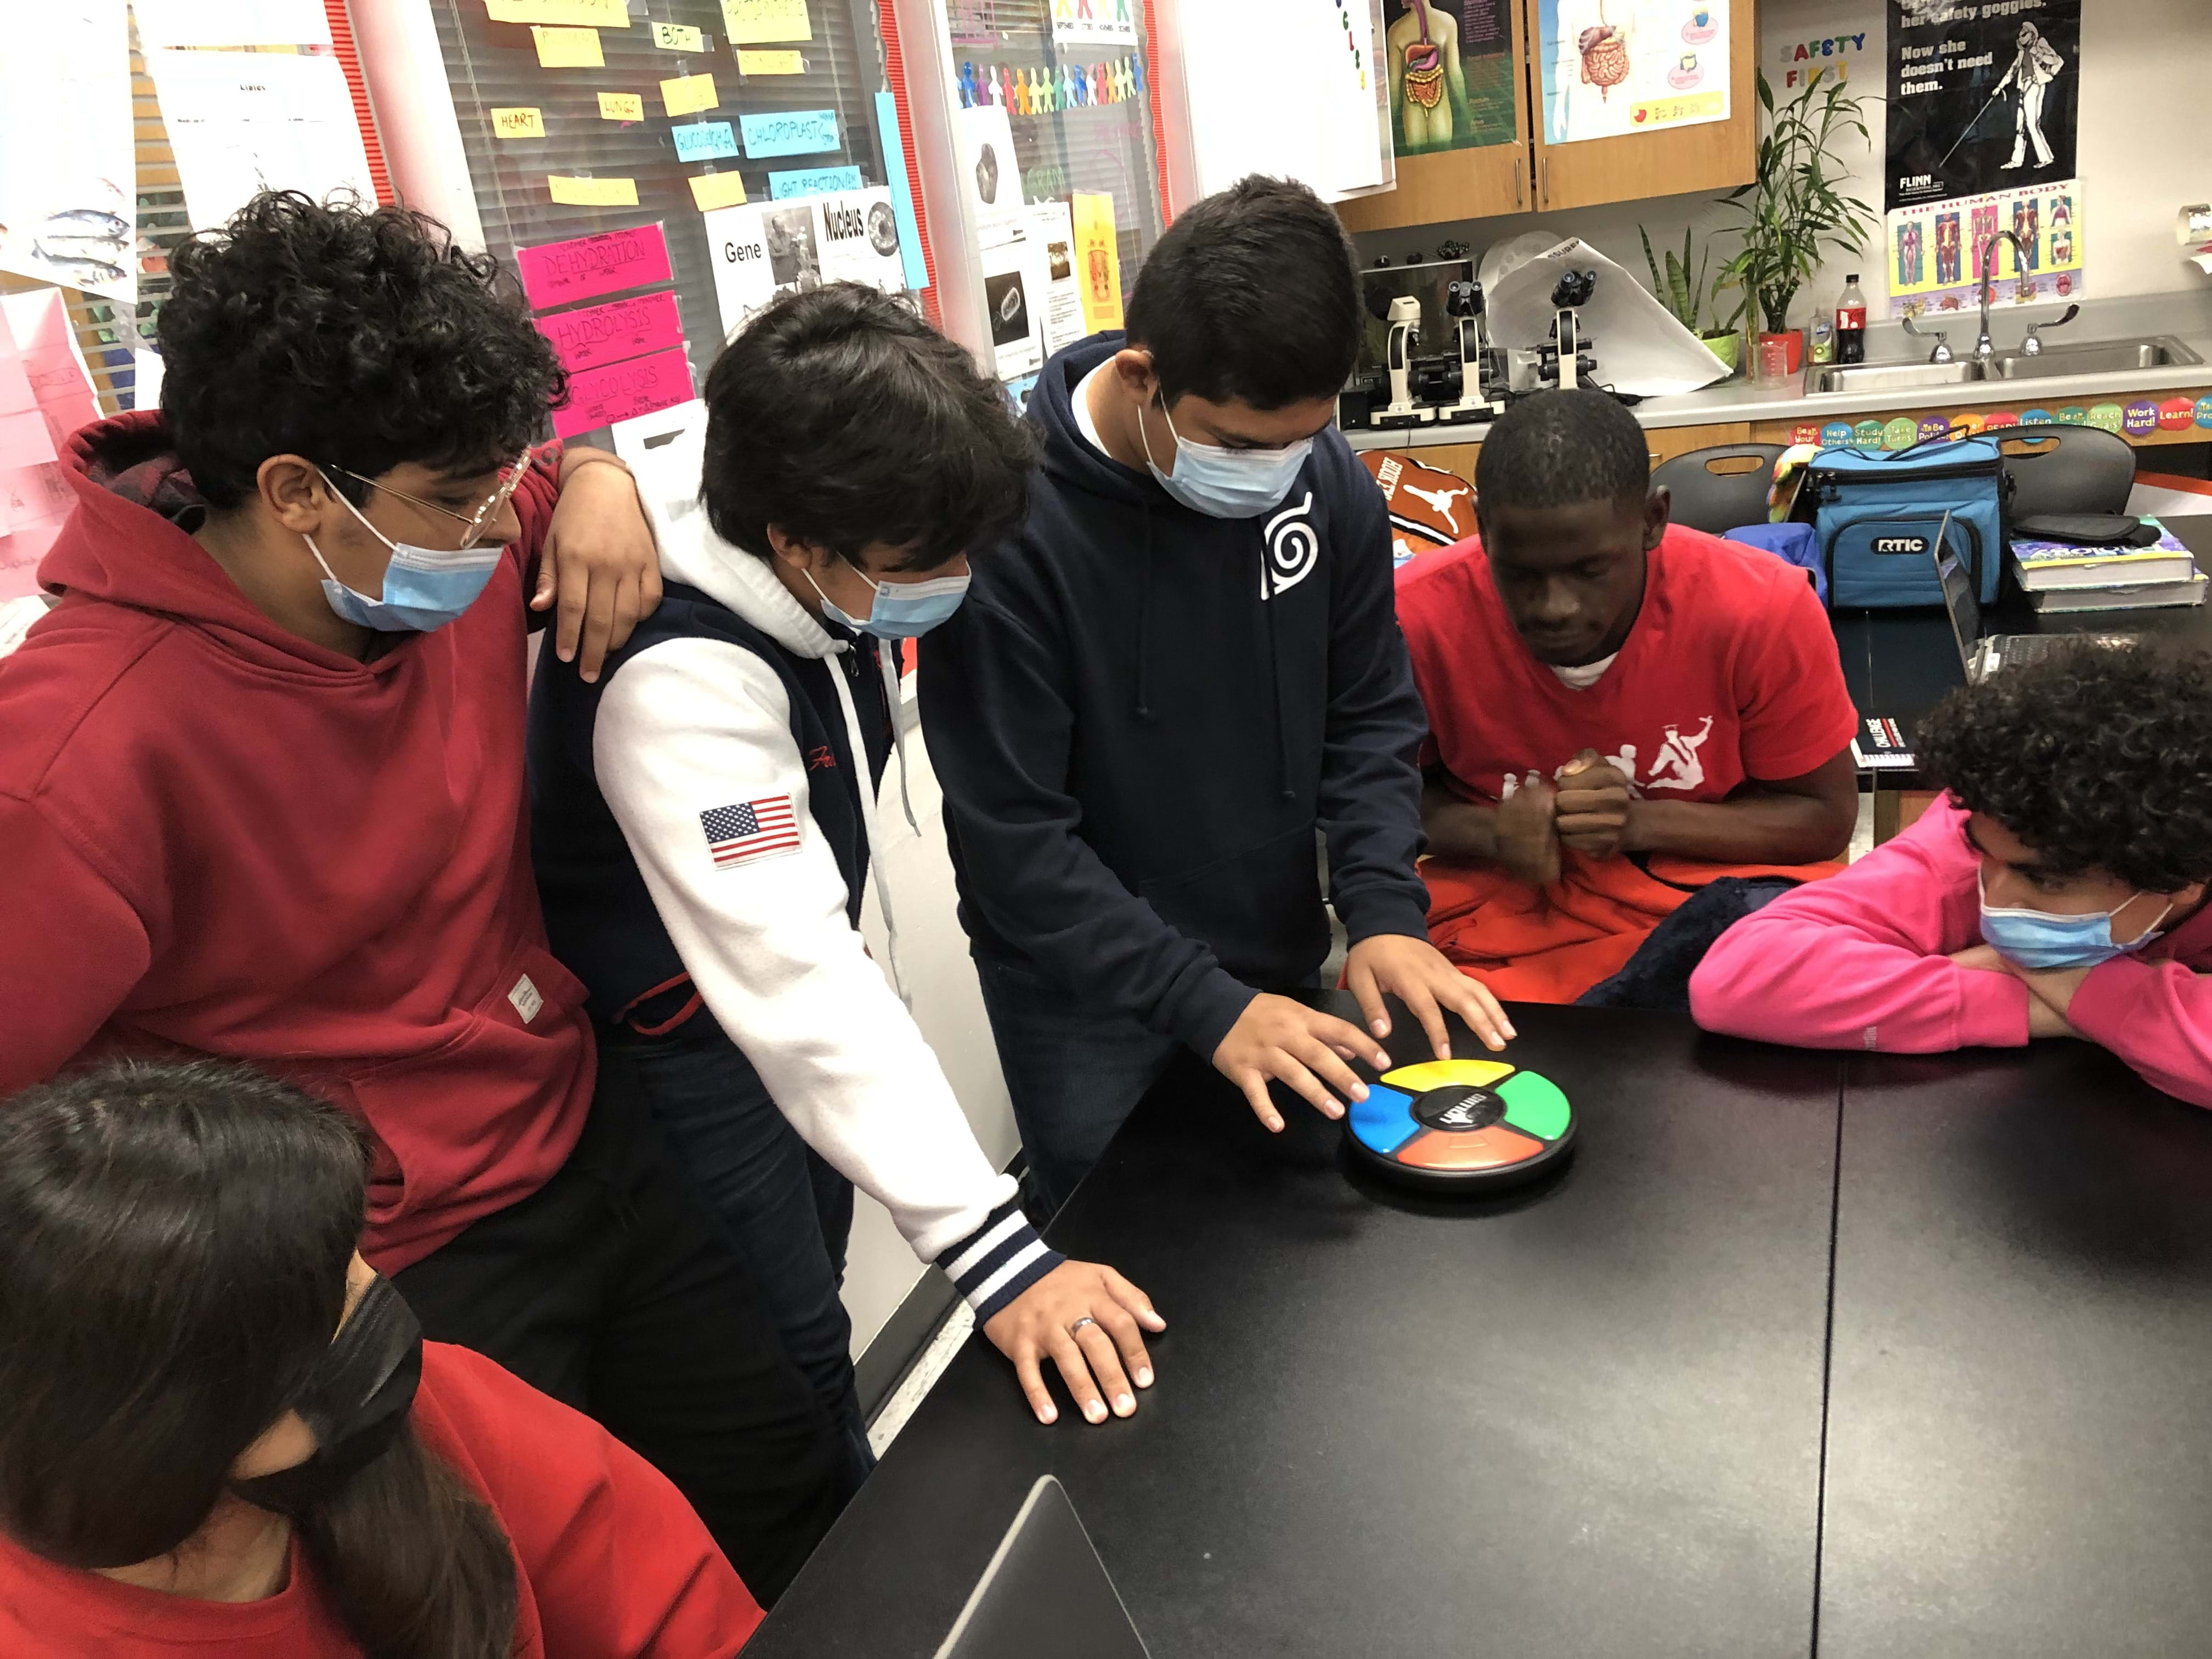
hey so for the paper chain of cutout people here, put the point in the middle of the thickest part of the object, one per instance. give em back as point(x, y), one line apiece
point(1042, 91)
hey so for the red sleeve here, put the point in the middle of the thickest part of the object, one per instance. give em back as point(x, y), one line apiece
point(535, 498)
point(1862, 959)
point(619, 1565)
point(1797, 711)
point(57, 994)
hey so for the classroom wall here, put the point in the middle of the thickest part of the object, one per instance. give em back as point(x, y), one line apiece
point(2141, 151)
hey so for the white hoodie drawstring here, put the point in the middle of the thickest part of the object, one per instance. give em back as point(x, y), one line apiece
point(868, 791)
point(887, 654)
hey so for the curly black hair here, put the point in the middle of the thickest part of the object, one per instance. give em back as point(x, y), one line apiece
point(2098, 757)
point(359, 337)
point(842, 418)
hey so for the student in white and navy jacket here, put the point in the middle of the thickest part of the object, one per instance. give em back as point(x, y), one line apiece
point(704, 824)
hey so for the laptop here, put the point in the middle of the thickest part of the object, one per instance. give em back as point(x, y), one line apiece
point(1046, 1592)
point(1981, 657)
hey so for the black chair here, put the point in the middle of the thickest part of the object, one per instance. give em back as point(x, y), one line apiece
point(1722, 488)
point(2066, 469)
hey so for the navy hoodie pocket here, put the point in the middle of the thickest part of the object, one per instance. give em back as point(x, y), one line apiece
point(1259, 909)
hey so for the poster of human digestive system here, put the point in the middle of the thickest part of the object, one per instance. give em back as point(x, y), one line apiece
point(1612, 67)
point(1452, 70)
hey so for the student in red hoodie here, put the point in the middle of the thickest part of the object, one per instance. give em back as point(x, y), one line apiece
point(2057, 890)
point(261, 797)
point(221, 1432)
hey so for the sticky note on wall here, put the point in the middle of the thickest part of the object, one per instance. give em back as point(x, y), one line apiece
point(687, 94)
point(610, 333)
point(517, 124)
point(751, 21)
point(624, 390)
point(789, 132)
point(585, 267)
point(704, 141)
point(771, 62)
point(569, 48)
point(593, 192)
point(717, 189)
point(591, 14)
point(679, 37)
point(621, 106)
point(813, 181)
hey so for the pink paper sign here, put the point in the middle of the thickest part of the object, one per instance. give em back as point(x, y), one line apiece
point(621, 391)
point(607, 334)
point(560, 273)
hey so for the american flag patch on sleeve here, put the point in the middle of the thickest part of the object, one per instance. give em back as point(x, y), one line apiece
point(751, 829)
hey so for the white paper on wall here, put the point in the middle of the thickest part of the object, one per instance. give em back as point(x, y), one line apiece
point(240, 123)
point(68, 201)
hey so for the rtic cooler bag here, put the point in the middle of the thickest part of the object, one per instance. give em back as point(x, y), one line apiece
point(1876, 514)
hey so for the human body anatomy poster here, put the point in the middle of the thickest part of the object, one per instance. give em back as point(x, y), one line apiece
point(1451, 70)
point(1613, 67)
point(1983, 118)
point(68, 170)
point(764, 250)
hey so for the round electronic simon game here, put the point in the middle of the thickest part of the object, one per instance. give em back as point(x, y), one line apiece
point(1462, 1125)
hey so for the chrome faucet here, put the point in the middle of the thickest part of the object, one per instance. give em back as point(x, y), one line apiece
point(1942, 339)
point(1985, 347)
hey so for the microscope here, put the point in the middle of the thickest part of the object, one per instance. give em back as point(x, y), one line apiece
point(1566, 361)
point(1463, 304)
point(1405, 340)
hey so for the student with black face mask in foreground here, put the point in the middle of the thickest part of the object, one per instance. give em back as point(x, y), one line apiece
point(221, 1432)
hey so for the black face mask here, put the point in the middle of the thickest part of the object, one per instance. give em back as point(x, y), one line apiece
point(355, 1400)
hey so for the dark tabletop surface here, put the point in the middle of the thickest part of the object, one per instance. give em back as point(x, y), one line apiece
point(1582, 1420)
point(2019, 1460)
point(1901, 663)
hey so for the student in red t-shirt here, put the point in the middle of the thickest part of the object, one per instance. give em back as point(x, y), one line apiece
point(221, 1432)
point(1601, 684)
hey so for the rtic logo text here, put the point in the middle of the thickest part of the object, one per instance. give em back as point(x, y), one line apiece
point(1900, 544)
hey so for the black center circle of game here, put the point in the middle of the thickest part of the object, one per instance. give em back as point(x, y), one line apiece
point(1459, 1107)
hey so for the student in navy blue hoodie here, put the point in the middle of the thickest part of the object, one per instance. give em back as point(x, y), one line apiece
point(1185, 663)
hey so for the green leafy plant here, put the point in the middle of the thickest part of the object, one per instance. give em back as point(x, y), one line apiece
point(1795, 208)
point(1685, 299)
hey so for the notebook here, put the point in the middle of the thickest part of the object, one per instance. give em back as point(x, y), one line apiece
point(2130, 596)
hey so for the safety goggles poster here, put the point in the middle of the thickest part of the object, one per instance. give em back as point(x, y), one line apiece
point(1980, 170)
point(1451, 73)
point(1612, 67)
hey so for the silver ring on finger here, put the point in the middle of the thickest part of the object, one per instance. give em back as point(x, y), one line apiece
point(1080, 1323)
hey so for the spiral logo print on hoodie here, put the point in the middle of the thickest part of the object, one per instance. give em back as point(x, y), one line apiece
point(1293, 549)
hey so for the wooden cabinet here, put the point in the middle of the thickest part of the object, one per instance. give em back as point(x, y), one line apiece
point(1529, 175)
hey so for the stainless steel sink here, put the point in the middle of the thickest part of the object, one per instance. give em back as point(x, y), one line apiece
point(2093, 357)
point(1893, 377)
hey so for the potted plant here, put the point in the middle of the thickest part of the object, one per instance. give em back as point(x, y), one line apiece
point(1794, 208)
point(1685, 298)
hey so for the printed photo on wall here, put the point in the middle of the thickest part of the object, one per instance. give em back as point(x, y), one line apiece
point(1451, 72)
point(794, 262)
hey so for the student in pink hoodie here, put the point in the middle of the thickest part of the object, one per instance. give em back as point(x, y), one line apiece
point(2057, 890)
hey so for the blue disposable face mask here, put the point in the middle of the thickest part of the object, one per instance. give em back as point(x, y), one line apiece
point(1227, 483)
point(2041, 942)
point(424, 587)
point(900, 610)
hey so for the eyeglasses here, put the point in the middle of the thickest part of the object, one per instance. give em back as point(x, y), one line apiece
point(476, 523)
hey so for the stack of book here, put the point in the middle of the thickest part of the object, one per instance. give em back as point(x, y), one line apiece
point(2061, 576)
